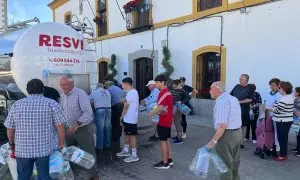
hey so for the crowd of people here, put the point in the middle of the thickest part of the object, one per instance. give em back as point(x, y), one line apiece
point(35, 122)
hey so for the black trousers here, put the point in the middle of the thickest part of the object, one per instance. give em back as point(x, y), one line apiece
point(116, 128)
point(283, 129)
point(183, 123)
point(253, 126)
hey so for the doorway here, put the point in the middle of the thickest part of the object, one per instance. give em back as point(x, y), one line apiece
point(102, 71)
point(144, 73)
point(208, 70)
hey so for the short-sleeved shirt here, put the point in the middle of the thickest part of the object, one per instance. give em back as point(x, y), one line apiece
point(101, 98)
point(188, 89)
point(227, 111)
point(116, 94)
point(242, 93)
point(152, 98)
point(132, 98)
point(165, 119)
point(34, 119)
point(256, 100)
point(297, 108)
point(272, 98)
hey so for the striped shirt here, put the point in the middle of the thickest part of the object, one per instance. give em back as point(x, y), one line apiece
point(283, 110)
point(227, 111)
point(34, 119)
point(77, 107)
point(179, 95)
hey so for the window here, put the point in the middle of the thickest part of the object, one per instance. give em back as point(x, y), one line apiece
point(203, 5)
point(101, 19)
point(68, 18)
point(138, 15)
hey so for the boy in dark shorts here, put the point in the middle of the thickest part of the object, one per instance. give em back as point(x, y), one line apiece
point(129, 120)
point(165, 111)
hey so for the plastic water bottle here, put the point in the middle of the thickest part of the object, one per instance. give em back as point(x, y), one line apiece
point(202, 163)
point(3, 154)
point(34, 173)
point(219, 163)
point(12, 165)
point(56, 165)
point(78, 156)
point(67, 171)
point(184, 109)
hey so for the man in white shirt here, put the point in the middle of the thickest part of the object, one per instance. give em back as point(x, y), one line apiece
point(271, 99)
point(227, 122)
point(129, 121)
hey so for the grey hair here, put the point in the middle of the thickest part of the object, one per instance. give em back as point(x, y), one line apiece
point(220, 85)
point(69, 77)
point(100, 85)
point(109, 83)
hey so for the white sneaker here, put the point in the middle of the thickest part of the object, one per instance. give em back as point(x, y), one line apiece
point(123, 154)
point(184, 136)
point(246, 140)
point(254, 141)
point(131, 158)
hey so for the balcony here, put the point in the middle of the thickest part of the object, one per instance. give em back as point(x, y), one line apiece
point(138, 17)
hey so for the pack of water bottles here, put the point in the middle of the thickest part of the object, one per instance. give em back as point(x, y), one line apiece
point(149, 108)
point(207, 164)
point(184, 109)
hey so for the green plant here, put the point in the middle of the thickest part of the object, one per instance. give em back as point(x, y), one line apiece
point(166, 62)
point(112, 67)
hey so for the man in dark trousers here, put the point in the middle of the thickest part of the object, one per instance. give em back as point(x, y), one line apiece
point(116, 111)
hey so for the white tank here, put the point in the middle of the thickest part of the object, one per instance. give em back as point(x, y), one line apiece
point(41, 50)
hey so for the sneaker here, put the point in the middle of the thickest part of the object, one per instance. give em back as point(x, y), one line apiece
point(242, 147)
point(131, 159)
point(246, 140)
point(184, 136)
point(170, 161)
point(174, 138)
point(123, 154)
point(254, 141)
point(177, 141)
point(298, 154)
point(161, 165)
point(295, 150)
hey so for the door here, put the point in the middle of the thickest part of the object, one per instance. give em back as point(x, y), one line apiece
point(103, 70)
point(144, 73)
point(208, 71)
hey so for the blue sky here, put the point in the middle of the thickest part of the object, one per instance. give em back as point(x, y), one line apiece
point(20, 10)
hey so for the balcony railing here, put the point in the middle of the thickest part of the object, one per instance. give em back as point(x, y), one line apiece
point(138, 18)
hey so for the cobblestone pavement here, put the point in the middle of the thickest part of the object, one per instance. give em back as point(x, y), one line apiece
point(252, 168)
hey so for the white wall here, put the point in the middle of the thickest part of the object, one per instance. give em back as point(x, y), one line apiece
point(264, 43)
point(169, 9)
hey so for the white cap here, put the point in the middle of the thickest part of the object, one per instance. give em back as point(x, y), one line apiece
point(150, 83)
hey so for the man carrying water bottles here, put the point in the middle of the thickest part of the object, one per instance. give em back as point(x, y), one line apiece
point(30, 124)
point(77, 108)
point(227, 122)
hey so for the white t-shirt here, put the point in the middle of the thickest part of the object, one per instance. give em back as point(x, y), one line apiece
point(132, 99)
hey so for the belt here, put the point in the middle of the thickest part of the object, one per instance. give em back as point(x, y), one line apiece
point(233, 129)
point(103, 108)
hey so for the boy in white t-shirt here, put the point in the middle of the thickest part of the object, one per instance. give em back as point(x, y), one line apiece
point(129, 121)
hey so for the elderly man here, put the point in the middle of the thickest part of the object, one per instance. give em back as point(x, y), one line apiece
point(227, 122)
point(102, 102)
point(30, 125)
point(244, 93)
point(152, 98)
point(116, 110)
point(77, 107)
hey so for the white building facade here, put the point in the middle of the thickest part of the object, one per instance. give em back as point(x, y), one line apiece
point(208, 40)
point(3, 13)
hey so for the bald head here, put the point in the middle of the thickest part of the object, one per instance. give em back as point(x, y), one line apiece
point(66, 83)
point(216, 89)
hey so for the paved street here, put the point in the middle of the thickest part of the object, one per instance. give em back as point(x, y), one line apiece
point(252, 168)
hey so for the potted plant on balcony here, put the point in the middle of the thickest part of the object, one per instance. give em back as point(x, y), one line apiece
point(131, 6)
